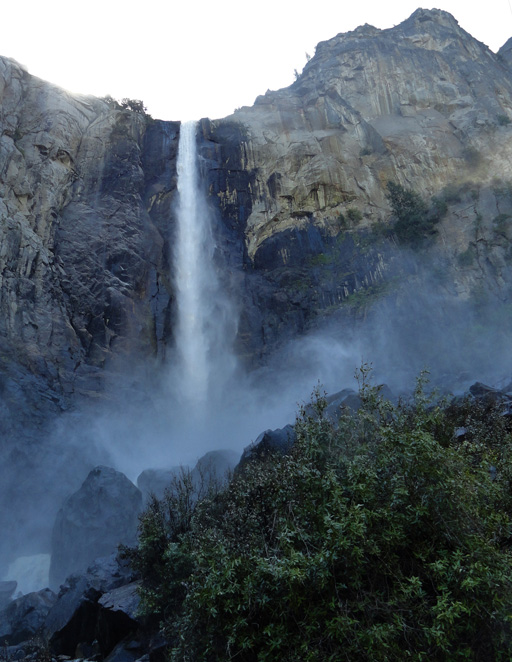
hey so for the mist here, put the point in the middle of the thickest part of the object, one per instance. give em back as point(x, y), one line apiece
point(143, 424)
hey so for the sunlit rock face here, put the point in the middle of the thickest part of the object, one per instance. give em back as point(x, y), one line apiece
point(83, 244)
point(85, 198)
point(422, 104)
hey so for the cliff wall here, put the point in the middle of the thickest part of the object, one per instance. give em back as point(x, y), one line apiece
point(298, 183)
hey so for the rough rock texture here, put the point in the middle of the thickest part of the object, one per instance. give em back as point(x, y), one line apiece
point(83, 258)
point(301, 175)
point(24, 617)
point(85, 198)
point(94, 521)
point(298, 179)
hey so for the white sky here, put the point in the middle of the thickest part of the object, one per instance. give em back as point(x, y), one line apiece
point(198, 59)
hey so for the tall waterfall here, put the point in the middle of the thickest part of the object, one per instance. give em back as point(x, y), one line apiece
point(206, 323)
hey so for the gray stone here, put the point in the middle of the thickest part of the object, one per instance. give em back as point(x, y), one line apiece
point(93, 521)
point(214, 467)
point(24, 617)
point(271, 441)
point(156, 481)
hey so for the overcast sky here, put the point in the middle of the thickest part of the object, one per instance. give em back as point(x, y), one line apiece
point(195, 58)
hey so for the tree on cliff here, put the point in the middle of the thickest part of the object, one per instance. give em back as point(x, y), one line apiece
point(415, 220)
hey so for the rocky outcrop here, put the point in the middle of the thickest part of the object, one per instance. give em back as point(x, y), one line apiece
point(93, 521)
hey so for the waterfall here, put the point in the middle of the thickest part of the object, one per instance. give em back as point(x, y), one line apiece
point(206, 323)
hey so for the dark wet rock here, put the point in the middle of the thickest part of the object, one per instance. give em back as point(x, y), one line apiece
point(24, 617)
point(488, 393)
point(104, 575)
point(123, 600)
point(129, 651)
point(271, 441)
point(102, 514)
point(96, 609)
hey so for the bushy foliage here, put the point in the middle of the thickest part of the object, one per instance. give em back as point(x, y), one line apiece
point(135, 105)
point(415, 220)
point(384, 537)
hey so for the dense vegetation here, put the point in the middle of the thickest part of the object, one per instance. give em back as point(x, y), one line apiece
point(415, 221)
point(384, 537)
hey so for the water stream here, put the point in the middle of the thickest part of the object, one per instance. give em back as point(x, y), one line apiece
point(206, 321)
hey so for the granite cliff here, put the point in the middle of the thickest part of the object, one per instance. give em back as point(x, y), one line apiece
point(301, 175)
point(305, 229)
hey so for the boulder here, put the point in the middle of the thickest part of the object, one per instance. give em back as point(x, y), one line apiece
point(214, 467)
point(24, 617)
point(271, 441)
point(488, 393)
point(89, 612)
point(93, 521)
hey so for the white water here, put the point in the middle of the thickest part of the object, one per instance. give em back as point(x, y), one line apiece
point(206, 324)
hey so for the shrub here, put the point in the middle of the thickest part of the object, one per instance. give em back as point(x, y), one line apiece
point(414, 220)
point(135, 105)
point(354, 214)
point(382, 538)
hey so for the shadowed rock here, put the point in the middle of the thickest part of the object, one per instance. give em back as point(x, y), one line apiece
point(102, 514)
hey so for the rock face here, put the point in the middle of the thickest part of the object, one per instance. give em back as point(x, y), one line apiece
point(93, 522)
point(85, 198)
point(24, 617)
point(301, 176)
point(86, 194)
point(83, 260)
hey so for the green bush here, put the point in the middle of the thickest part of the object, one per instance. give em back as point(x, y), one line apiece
point(415, 221)
point(385, 537)
point(354, 214)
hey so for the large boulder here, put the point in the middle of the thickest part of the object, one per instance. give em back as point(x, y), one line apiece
point(93, 521)
point(24, 617)
point(269, 442)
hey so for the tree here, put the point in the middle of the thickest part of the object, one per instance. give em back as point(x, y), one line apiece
point(380, 538)
point(415, 220)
